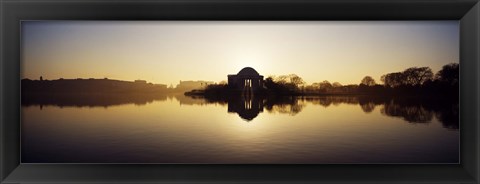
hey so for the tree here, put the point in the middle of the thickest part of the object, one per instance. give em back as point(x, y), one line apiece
point(296, 80)
point(448, 74)
point(368, 81)
point(392, 79)
point(325, 85)
point(282, 79)
point(269, 83)
point(417, 76)
point(279, 85)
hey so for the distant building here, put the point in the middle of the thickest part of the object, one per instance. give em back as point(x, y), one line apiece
point(160, 86)
point(247, 80)
point(191, 85)
point(141, 81)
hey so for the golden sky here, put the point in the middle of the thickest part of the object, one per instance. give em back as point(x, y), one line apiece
point(169, 51)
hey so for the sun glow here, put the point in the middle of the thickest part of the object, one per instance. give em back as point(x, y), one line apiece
point(249, 58)
point(165, 52)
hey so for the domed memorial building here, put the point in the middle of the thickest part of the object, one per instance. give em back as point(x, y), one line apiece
point(246, 80)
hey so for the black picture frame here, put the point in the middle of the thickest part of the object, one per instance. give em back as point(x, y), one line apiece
point(14, 11)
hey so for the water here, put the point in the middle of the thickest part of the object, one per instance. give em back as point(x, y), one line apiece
point(180, 129)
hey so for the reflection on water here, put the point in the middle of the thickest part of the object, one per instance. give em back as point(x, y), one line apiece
point(247, 107)
point(91, 100)
point(412, 110)
point(182, 129)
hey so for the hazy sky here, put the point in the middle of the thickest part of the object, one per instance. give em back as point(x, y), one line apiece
point(169, 51)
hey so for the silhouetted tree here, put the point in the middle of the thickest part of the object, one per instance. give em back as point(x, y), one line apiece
point(417, 76)
point(421, 81)
point(324, 86)
point(282, 79)
point(392, 79)
point(368, 81)
point(296, 80)
point(448, 74)
point(268, 82)
point(279, 85)
point(284, 83)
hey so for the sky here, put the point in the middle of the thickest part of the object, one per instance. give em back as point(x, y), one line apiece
point(165, 52)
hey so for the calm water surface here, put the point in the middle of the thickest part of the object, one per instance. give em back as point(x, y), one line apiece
point(180, 129)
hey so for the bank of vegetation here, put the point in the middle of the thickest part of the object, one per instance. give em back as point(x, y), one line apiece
point(411, 81)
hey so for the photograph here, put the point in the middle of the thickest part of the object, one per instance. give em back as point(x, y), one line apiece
point(239, 92)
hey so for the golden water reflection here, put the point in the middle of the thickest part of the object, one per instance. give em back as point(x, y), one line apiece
point(181, 129)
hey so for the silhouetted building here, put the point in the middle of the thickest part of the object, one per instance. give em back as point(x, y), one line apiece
point(247, 80)
point(89, 86)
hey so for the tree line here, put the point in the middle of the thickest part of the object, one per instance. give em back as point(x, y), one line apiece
point(413, 80)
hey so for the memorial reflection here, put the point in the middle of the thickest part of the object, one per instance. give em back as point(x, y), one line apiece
point(247, 107)
point(412, 110)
